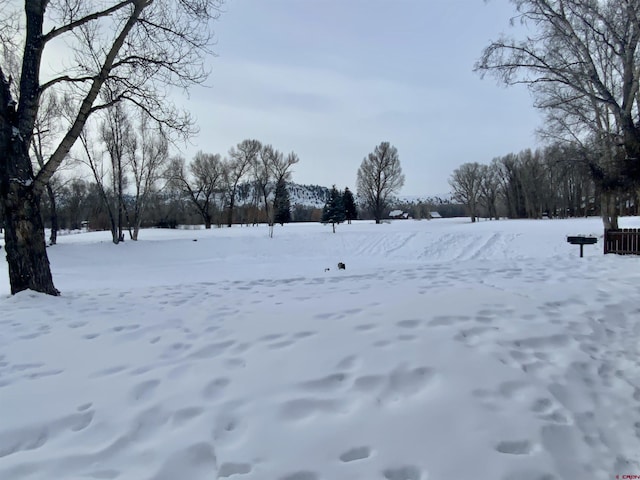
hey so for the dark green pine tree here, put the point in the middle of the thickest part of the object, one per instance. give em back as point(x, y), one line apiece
point(333, 211)
point(281, 204)
point(350, 209)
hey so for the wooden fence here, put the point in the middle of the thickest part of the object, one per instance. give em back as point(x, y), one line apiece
point(625, 241)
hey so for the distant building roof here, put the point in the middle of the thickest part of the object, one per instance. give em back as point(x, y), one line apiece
point(435, 215)
point(395, 213)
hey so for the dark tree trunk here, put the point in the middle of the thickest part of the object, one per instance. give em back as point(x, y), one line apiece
point(232, 204)
point(53, 238)
point(24, 236)
point(230, 213)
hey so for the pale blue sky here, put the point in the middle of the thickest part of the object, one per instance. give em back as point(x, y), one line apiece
point(331, 79)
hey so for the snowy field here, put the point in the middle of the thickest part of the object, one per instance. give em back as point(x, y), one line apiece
point(446, 350)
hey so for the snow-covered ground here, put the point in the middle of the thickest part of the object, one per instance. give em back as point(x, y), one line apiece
point(446, 350)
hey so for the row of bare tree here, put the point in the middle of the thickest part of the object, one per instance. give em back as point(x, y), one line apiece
point(555, 181)
point(580, 59)
point(128, 156)
point(211, 181)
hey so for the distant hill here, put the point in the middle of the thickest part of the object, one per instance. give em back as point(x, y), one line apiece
point(305, 195)
point(316, 196)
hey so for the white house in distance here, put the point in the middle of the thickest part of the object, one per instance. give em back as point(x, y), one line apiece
point(398, 214)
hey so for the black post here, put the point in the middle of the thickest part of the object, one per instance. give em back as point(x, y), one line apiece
point(581, 246)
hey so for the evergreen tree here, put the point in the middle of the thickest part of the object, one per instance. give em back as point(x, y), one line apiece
point(333, 211)
point(350, 209)
point(282, 204)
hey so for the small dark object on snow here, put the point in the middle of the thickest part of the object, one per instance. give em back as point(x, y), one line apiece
point(326, 269)
point(341, 266)
point(195, 239)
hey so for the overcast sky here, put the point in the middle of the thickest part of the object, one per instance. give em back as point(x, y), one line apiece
point(331, 79)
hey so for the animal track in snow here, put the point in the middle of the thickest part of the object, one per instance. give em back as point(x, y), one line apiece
point(408, 323)
point(403, 383)
point(303, 408)
point(228, 428)
point(446, 320)
point(212, 350)
point(214, 388)
point(22, 440)
point(280, 345)
point(45, 373)
point(368, 383)
point(270, 337)
point(365, 327)
point(408, 472)
point(304, 334)
point(515, 447)
point(406, 338)
point(513, 389)
point(229, 469)
point(553, 341)
point(236, 362)
point(109, 371)
point(82, 422)
point(329, 383)
point(347, 363)
point(185, 414)
point(84, 406)
point(541, 405)
point(144, 391)
point(302, 475)
point(357, 453)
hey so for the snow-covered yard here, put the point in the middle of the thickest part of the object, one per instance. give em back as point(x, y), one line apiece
point(446, 350)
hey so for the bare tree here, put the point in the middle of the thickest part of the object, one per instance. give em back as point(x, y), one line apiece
point(137, 47)
point(202, 184)
point(581, 64)
point(103, 175)
point(146, 166)
point(466, 182)
point(263, 176)
point(379, 177)
point(46, 128)
point(243, 156)
point(120, 143)
point(281, 172)
point(490, 189)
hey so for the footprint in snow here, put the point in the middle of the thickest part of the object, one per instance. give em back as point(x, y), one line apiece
point(228, 469)
point(515, 447)
point(407, 472)
point(302, 475)
point(144, 391)
point(357, 453)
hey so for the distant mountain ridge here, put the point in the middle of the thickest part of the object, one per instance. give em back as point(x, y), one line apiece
point(316, 196)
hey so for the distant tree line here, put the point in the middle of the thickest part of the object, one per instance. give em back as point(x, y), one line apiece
point(555, 181)
point(136, 184)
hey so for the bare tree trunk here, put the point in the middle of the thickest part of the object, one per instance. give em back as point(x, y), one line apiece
point(120, 202)
point(231, 206)
point(609, 215)
point(53, 238)
point(24, 235)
